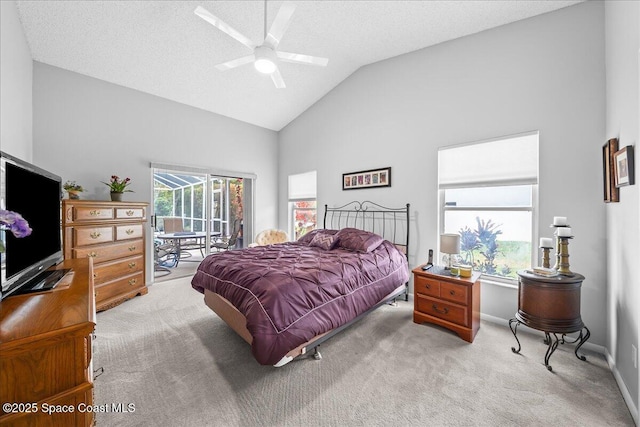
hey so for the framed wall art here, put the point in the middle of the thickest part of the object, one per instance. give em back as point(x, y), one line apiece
point(609, 149)
point(367, 179)
point(624, 167)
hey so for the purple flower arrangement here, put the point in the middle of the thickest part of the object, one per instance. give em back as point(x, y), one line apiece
point(13, 222)
point(117, 185)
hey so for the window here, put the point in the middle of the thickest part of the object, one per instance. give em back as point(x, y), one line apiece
point(488, 194)
point(302, 204)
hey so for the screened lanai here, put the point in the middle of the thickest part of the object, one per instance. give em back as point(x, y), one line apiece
point(182, 195)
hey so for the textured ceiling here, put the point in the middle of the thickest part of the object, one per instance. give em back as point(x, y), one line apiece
point(163, 48)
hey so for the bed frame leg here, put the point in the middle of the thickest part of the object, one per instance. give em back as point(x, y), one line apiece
point(316, 354)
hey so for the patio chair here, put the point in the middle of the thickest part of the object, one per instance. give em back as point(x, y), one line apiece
point(165, 257)
point(175, 225)
point(229, 242)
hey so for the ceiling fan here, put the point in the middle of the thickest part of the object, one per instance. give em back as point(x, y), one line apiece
point(265, 56)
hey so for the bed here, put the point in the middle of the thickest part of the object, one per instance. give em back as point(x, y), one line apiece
point(286, 299)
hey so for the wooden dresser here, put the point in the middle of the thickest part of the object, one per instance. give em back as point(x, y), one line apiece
point(448, 301)
point(45, 342)
point(113, 234)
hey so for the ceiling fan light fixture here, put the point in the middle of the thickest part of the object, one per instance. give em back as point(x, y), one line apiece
point(265, 60)
point(264, 65)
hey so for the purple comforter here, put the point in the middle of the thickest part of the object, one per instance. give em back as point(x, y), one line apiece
point(291, 292)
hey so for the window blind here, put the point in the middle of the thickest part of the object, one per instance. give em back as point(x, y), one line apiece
point(509, 160)
point(302, 186)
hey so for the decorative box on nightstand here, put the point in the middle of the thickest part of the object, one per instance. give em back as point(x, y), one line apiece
point(449, 301)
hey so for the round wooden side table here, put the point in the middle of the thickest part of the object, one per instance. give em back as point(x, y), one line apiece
point(551, 305)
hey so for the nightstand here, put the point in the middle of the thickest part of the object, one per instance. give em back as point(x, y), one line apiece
point(448, 301)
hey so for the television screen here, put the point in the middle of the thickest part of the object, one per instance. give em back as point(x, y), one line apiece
point(35, 194)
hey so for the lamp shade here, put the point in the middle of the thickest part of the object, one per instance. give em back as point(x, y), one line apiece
point(450, 243)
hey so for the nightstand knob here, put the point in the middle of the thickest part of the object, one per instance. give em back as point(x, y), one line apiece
point(452, 293)
point(428, 286)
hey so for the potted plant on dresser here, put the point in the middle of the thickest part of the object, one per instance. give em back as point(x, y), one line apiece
point(117, 186)
point(73, 189)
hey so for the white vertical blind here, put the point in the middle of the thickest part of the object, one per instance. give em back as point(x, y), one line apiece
point(302, 186)
point(509, 160)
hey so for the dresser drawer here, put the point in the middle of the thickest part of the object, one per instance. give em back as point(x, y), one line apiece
point(104, 253)
point(119, 287)
point(107, 271)
point(454, 292)
point(426, 286)
point(84, 236)
point(130, 213)
point(443, 310)
point(89, 213)
point(125, 232)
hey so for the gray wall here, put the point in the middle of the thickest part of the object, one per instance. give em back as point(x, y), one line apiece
point(545, 73)
point(86, 130)
point(16, 70)
point(623, 218)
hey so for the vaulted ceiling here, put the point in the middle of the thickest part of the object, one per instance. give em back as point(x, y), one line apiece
point(163, 48)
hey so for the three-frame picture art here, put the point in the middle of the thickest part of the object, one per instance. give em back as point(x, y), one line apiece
point(367, 179)
point(624, 167)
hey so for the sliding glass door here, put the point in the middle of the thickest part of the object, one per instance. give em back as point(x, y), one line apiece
point(187, 201)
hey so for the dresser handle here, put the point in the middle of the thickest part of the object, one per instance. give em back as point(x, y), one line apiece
point(452, 293)
point(91, 254)
point(94, 212)
point(130, 213)
point(95, 275)
point(95, 234)
point(428, 286)
point(132, 282)
point(129, 231)
point(132, 264)
point(132, 248)
point(435, 308)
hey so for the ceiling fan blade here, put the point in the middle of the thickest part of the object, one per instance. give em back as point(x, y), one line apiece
point(279, 25)
point(303, 59)
point(235, 63)
point(277, 79)
point(223, 26)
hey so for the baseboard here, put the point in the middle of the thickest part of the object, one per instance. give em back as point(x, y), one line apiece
point(633, 410)
point(623, 387)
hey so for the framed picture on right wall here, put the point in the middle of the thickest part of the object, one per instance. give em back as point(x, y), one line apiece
point(624, 167)
point(611, 192)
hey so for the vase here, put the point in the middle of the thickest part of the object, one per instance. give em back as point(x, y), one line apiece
point(74, 195)
point(116, 197)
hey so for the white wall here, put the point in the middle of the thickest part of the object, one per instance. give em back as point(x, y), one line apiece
point(622, 219)
point(16, 72)
point(86, 130)
point(545, 73)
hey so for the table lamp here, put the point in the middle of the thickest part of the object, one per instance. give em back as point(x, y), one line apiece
point(449, 244)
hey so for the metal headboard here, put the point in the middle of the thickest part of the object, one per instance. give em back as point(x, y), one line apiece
point(390, 223)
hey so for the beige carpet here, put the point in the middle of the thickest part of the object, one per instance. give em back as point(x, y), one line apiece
point(180, 365)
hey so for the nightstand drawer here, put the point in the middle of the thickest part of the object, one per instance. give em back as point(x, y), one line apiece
point(443, 310)
point(426, 286)
point(453, 292)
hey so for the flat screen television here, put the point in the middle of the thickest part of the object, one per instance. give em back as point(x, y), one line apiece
point(35, 194)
